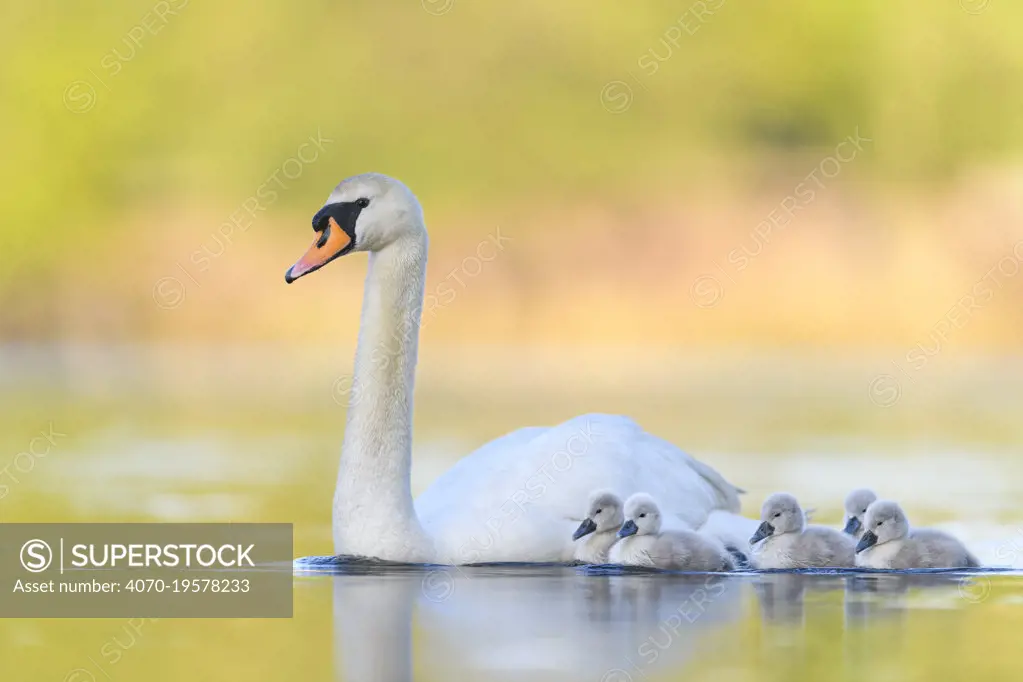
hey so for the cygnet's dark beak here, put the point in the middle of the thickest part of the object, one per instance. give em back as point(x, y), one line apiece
point(585, 528)
point(765, 530)
point(628, 528)
point(852, 526)
point(866, 542)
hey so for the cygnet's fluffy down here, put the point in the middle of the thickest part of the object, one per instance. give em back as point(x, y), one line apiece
point(784, 540)
point(599, 530)
point(889, 542)
point(643, 543)
point(855, 509)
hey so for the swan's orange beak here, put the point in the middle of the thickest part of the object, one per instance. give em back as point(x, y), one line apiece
point(331, 243)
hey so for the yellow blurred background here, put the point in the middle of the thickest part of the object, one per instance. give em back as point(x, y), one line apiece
point(162, 161)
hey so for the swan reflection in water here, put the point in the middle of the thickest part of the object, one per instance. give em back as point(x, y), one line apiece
point(501, 622)
point(585, 623)
point(873, 596)
point(785, 597)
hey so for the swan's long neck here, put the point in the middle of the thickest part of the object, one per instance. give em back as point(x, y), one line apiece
point(373, 511)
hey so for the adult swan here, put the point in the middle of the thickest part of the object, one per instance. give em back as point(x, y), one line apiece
point(517, 498)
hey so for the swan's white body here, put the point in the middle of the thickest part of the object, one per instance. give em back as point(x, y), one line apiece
point(516, 498)
point(519, 501)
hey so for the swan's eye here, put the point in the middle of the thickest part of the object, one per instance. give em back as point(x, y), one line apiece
point(362, 202)
point(597, 512)
point(642, 516)
point(879, 523)
point(864, 511)
point(777, 515)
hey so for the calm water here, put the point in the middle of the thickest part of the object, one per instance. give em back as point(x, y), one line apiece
point(207, 434)
point(558, 623)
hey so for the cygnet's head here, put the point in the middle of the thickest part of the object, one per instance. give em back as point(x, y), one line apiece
point(364, 213)
point(856, 508)
point(885, 521)
point(603, 514)
point(781, 513)
point(642, 516)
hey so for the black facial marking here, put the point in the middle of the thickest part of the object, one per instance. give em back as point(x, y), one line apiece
point(345, 213)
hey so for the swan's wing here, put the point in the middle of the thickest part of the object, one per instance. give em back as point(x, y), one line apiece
point(731, 529)
point(728, 494)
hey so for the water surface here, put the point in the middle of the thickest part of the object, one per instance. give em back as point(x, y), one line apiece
point(238, 434)
point(563, 623)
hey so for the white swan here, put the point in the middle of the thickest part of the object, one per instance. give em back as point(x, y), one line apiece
point(888, 542)
point(784, 540)
point(643, 543)
point(512, 499)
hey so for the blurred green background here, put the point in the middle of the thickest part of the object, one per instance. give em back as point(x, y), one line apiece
point(161, 160)
point(627, 148)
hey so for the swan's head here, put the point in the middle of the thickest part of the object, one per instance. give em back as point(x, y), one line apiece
point(642, 516)
point(885, 521)
point(856, 508)
point(603, 514)
point(781, 513)
point(364, 213)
